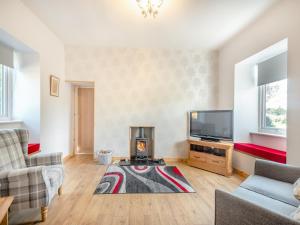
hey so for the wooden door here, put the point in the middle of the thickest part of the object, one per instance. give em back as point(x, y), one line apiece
point(85, 121)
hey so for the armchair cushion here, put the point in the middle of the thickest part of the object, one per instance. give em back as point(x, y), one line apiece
point(44, 159)
point(10, 151)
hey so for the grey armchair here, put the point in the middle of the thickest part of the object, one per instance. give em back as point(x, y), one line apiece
point(33, 181)
point(265, 198)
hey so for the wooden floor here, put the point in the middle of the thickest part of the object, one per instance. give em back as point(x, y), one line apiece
point(78, 204)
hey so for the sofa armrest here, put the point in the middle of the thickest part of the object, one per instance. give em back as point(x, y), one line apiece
point(44, 159)
point(232, 210)
point(277, 171)
point(26, 176)
point(30, 187)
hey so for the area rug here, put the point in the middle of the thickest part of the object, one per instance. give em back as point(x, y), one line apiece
point(143, 179)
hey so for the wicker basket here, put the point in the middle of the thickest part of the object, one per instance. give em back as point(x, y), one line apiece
point(105, 157)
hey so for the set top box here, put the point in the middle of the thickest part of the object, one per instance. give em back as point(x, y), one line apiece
point(214, 125)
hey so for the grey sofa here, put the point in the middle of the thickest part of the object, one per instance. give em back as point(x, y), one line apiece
point(265, 198)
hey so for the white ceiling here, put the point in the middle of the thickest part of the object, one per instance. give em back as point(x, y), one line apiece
point(118, 23)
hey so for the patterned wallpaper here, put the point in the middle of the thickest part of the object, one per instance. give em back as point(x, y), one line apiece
point(155, 87)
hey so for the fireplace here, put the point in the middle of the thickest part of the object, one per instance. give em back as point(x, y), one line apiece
point(141, 150)
point(141, 145)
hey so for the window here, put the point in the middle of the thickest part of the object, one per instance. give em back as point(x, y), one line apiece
point(273, 107)
point(5, 92)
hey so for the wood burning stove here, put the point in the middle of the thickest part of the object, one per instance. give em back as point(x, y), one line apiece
point(141, 145)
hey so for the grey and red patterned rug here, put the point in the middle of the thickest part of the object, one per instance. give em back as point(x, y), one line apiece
point(143, 179)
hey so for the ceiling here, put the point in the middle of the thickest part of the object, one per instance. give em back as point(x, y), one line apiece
point(119, 23)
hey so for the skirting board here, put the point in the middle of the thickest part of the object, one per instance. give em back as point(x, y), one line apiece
point(114, 158)
point(242, 174)
point(67, 157)
point(170, 160)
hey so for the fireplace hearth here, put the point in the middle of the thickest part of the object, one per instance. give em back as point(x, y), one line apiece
point(148, 162)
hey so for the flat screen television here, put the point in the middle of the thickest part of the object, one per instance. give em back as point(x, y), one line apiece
point(212, 125)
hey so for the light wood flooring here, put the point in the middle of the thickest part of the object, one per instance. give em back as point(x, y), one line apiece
point(79, 206)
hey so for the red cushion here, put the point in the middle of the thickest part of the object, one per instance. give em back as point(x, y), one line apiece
point(33, 148)
point(262, 152)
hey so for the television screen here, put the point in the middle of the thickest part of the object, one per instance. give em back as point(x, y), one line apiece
point(212, 124)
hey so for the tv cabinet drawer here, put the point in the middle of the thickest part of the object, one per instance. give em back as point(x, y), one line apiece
point(209, 162)
point(207, 157)
point(216, 162)
point(198, 156)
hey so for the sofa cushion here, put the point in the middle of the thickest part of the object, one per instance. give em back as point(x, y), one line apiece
point(265, 202)
point(275, 189)
point(296, 189)
point(11, 151)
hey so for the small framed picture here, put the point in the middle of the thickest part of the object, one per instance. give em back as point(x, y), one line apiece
point(54, 86)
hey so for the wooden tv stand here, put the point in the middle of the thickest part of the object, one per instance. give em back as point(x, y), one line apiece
point(212, 156)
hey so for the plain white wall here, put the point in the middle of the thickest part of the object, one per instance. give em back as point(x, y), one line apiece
point(245, 112)
point(280, 22)
point(26, 96)
point(245, 102)
point(22, 24)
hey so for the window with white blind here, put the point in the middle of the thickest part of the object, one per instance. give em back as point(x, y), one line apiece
point(5, 92)
point(272, 82)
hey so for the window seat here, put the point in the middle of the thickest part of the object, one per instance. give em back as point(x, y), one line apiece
point(33, 148)
point(261, 152)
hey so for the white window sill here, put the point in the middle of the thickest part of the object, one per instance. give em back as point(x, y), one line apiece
point(10, 121)
point(268, 134)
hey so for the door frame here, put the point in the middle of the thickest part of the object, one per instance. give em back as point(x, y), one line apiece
point(75, 85)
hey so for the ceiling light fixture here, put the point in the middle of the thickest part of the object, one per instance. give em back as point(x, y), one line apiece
point(149, 7)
